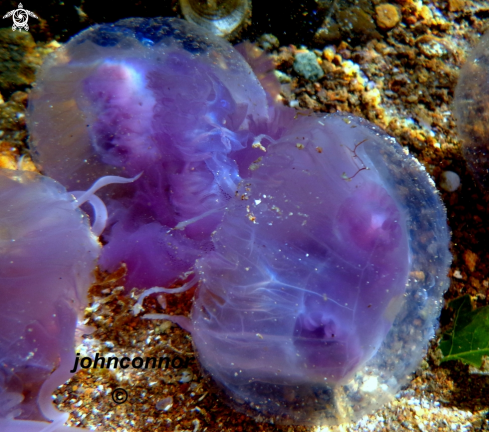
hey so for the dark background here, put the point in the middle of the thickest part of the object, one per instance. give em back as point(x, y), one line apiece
point(292, 22)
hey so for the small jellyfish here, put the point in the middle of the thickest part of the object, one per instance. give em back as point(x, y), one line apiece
point(305, 311)
point(47, 258)
point(472, 111)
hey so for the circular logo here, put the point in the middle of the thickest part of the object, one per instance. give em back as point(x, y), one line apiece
point(119, 395)
point(20, 17)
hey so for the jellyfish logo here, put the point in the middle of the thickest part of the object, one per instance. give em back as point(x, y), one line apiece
point(20, 17)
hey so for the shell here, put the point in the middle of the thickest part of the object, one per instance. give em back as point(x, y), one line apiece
point(220, 17)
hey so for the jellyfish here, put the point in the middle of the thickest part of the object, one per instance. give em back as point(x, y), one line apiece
point(48, 254)
point(158, 96)
point(301, 231)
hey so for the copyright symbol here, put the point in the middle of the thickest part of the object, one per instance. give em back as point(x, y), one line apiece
point(119, 395)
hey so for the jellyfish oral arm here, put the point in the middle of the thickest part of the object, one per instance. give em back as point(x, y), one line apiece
point(99, 209)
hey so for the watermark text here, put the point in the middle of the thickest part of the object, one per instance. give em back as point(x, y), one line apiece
point(114, 362)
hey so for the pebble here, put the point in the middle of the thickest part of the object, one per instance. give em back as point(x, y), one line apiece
point(449, 181)
point(456, 5)
point(470, 259)
point(283, 78)
point(306, 64)
point(329, 53)
point(387, 16)
point(164, 404)
point(432, 48)
point(268, 42)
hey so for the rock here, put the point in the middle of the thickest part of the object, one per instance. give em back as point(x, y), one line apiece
point(449, 181)
point(306, 65)
point(268, 42)
point(17, 70)
point(387, 16)
point(456, 5)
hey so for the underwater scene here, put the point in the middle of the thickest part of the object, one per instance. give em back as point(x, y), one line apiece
point(234, 215)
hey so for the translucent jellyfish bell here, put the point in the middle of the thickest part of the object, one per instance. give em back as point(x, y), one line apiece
point(307, 312)
point(47, 259)
point(472, 110)
point(159, 96)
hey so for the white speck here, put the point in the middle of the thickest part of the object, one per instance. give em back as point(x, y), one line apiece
point(371, 384)
point(186, 376)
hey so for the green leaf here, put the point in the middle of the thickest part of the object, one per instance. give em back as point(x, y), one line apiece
point(468, 341)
